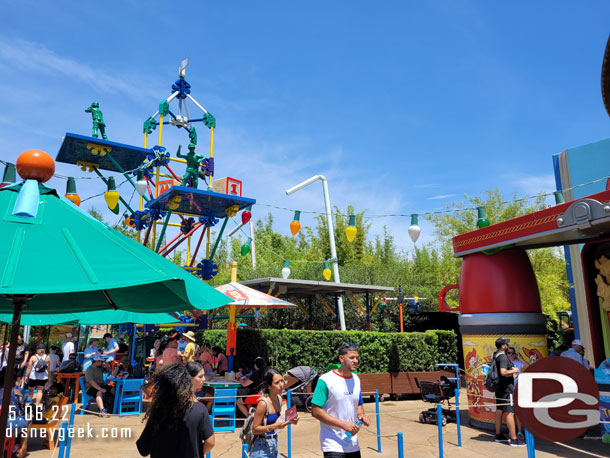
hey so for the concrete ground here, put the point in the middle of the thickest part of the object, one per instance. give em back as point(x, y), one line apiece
point(420, 440)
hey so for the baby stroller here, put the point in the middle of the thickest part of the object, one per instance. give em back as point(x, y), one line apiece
point(437, 393)
point(304, 375)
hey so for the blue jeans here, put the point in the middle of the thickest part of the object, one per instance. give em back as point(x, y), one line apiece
point(265, 447)
point(14, 427)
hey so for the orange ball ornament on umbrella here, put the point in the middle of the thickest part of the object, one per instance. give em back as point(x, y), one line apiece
point(35, 164)
point(35, 167)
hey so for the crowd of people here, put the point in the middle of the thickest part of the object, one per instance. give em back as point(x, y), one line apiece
point(509, 365)
point(178, 420)
point(183, 349)
point(36, 373)
point(178, 423)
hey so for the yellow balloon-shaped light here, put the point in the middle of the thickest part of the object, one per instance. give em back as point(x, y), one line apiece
point(295, 225)
point(111, 195)
point(351, 230)
point(326, 272)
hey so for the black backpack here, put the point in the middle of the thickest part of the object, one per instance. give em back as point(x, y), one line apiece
point(246, 435)
point(492, 378)
point(41, 364)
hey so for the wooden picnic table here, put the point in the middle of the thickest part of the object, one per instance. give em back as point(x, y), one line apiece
point(69, 377)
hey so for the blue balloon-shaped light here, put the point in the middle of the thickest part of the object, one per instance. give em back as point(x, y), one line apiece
point(26, 205)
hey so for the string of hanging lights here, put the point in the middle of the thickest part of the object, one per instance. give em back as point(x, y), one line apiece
point(112, 197)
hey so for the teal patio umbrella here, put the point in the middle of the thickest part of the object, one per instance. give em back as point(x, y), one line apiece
point(68, 261)
point(57, 259)
point(92, 318)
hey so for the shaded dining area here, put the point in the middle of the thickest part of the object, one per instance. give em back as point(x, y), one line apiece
point(60, 259)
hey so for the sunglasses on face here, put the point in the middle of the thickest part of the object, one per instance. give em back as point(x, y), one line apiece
point(510, 352)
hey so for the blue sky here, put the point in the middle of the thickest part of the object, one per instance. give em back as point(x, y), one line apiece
point(404, 106)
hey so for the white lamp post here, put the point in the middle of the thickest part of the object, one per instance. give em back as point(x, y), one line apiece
point(331, 235)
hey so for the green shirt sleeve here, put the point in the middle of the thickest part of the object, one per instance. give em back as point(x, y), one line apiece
point(320, 395)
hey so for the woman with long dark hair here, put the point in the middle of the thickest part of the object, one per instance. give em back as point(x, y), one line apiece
point(176, 424)
point(267, 419)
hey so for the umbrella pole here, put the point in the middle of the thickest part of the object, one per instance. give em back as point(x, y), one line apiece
point(77, 337)
point(87, 329)
point(133, 343)
point(18, 303)
point(4, 344)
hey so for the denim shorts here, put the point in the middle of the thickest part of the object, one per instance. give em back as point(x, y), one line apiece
point(265, 447)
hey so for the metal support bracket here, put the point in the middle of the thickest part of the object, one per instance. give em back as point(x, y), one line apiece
point(583, 214)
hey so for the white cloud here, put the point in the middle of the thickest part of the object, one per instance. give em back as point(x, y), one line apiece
point(31, 57)
point(441, 196)
point(470, 343)
point(534, 184)
point(426, 186)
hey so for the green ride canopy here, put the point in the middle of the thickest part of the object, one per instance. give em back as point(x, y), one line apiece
point(92, 318)
point(72, 262)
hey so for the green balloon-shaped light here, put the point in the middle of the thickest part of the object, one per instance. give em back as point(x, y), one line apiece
point(245, 248)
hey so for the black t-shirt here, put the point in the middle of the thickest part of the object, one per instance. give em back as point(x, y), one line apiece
point(257, 379)
point(20, 353)
point(506, 382)
point(186, 442)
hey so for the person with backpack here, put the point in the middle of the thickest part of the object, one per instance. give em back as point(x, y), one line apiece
point(500, 380)
point(38, 371)
point(266, 420)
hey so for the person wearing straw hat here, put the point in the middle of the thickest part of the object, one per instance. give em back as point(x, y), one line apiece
point(189, 351)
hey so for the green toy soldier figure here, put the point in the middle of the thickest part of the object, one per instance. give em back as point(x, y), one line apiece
point(98, 120)
point(192, 166)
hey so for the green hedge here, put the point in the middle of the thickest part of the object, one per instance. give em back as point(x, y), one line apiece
point(379, 352)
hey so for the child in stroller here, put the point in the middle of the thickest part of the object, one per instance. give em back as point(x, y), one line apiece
point(437, 393)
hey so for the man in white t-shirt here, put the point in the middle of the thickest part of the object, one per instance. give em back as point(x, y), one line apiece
point(337, 403)
point(67, 347)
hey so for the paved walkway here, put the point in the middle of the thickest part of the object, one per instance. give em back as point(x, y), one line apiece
point(419, 440)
